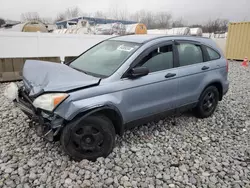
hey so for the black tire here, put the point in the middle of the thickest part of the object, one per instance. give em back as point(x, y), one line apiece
point(208, 102)
point(88, 138)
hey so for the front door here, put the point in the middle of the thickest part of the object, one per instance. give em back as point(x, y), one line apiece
point(155, 92)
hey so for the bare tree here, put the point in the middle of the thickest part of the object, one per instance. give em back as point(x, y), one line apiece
point(162, 20)
point(100, 14)
point(73, 12)
point(46, 20)
point(113, 13)
point(123, 14)
point(119, 14)
point(195, 25)
point(178, 23)
point(35, 17)
point(30, 16)
point(215, 26)
point(158, 20)
point(135, 16)
point(60, 17)
point(224, 25)
point(2, 21)
point(69, 13)
point(146, 17)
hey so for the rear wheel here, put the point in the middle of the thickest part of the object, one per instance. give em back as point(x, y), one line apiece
point(88, 138)
point(207, 103)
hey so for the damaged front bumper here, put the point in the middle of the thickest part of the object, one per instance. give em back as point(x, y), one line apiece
point(48, 125)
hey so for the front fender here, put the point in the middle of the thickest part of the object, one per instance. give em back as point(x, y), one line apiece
point(70, 108)
point(94, 109)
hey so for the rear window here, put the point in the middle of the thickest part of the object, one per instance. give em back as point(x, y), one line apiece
point(189, 54)
point(213, 55)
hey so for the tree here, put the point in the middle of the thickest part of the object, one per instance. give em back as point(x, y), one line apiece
point(46, 20)
point(178, 23)
point(30, 16)
point(162, 20)
point(215, 26)
point(60, 17)
point(69, 13)
point(224, 25)
point(118, 14)
point(123, 14)
point(2, 21)
point(158, 20)
point(100, 14)
point(146, 17)
point(72, 12)
point(196, 25)
point(35, 17)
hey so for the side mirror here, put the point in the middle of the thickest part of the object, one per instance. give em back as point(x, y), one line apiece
point(138, 72)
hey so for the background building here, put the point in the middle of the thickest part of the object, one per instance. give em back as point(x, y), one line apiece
point(63, 24)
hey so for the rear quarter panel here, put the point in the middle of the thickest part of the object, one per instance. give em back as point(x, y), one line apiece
point(193, 80)
point(219, 72)
point(220, 65)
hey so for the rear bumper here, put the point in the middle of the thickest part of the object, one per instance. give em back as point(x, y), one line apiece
point(48, 123)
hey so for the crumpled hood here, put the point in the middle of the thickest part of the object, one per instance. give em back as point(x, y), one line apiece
point(43, 76)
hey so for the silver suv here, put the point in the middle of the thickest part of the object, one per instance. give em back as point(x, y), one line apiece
point(117, 84)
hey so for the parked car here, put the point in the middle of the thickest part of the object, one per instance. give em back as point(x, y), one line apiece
point(117, 84)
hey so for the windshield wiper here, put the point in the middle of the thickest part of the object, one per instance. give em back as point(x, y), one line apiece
point(80, 70)
point(88, 73)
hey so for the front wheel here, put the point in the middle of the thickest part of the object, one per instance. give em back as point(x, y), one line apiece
point(207, 103)
point(88, 138)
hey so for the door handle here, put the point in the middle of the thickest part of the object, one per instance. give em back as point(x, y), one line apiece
point(204, 68)
point(169, 75)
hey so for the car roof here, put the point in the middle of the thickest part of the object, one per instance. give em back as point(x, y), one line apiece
point(136, 38)
point(141, 39)
point(145, 38)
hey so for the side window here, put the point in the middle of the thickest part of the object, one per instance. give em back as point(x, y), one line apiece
point(213, 55)
point(159, 59)
point(189, 54)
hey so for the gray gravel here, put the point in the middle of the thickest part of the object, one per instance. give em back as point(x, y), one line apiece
point(179, 151)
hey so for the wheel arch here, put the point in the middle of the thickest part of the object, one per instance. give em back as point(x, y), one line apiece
point(110, 111)
point(218, 85)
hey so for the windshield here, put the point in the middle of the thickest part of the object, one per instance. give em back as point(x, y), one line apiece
point(105, 58)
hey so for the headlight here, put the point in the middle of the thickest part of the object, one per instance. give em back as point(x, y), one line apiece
point(49, 101)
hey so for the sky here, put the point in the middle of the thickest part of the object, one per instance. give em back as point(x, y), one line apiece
point(192, 11)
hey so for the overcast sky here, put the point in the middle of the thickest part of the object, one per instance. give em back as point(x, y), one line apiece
point(191, 10)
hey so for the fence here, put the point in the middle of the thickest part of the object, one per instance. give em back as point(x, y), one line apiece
point(16, 47)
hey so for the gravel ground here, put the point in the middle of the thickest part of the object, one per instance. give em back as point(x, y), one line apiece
point(179, 151)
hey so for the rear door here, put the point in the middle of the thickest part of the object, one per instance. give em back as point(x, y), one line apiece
point(193, 69)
